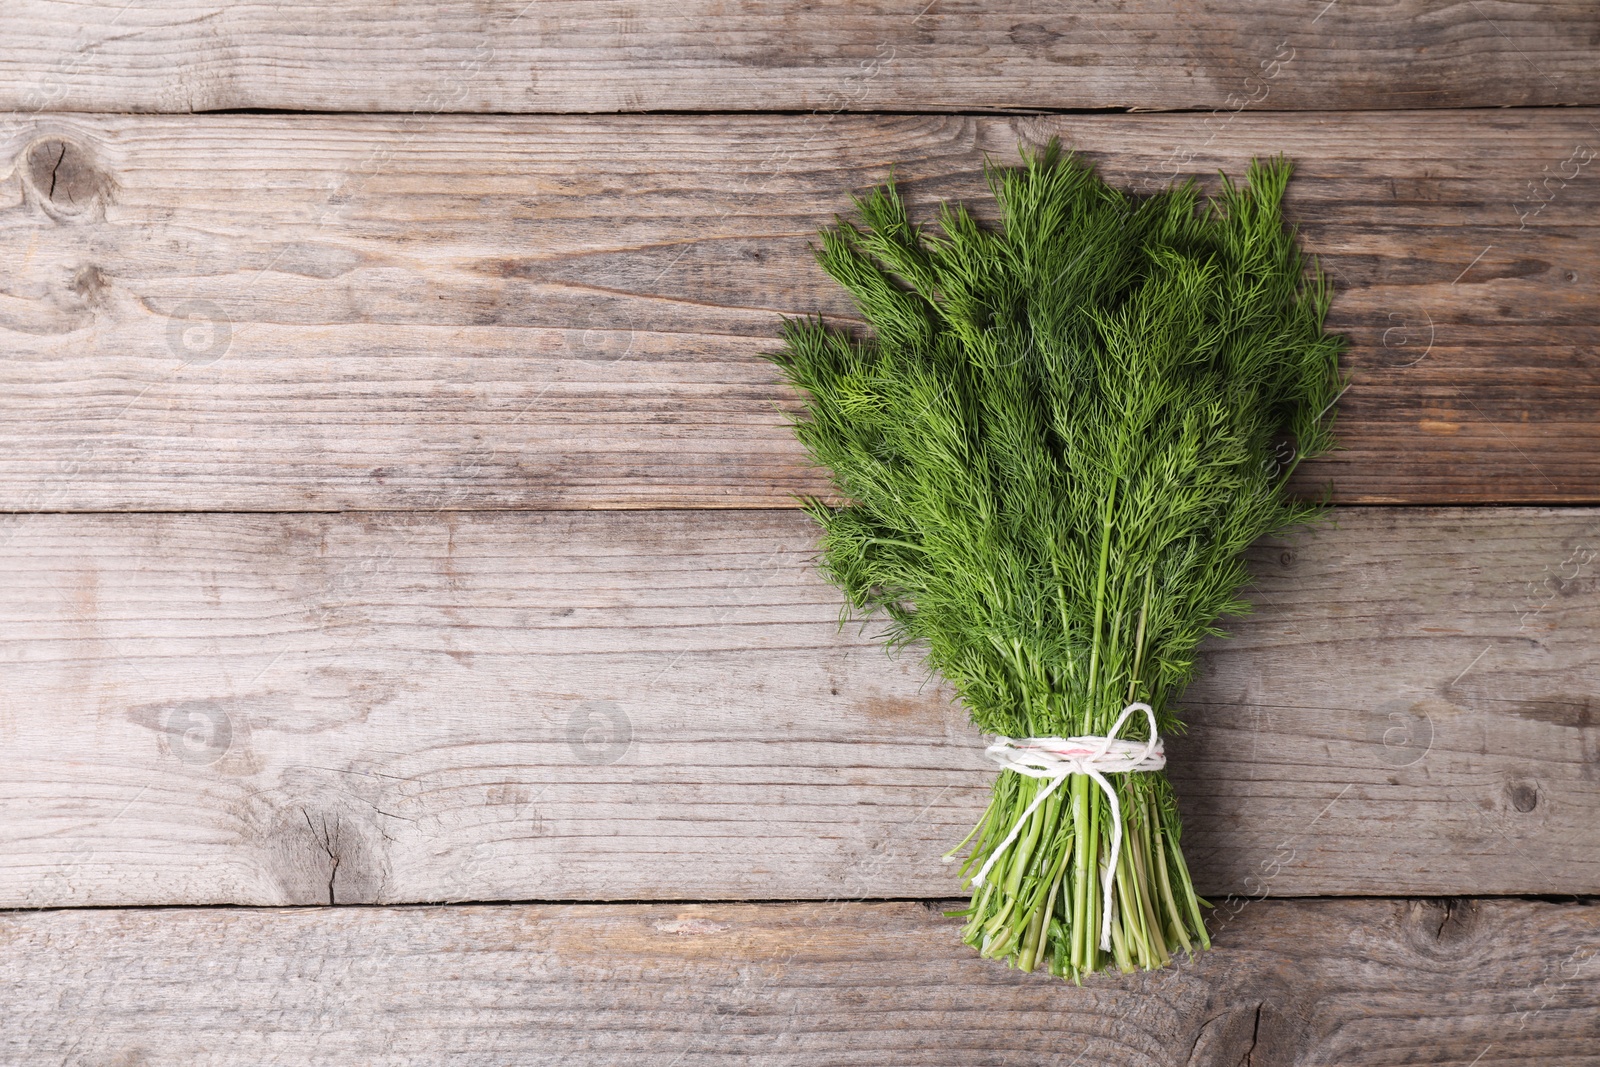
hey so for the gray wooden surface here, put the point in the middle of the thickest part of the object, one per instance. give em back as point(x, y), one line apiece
point(450, 327)
point(925, 55)
point(383, 708)
point(254, 312)
point(1348, 982)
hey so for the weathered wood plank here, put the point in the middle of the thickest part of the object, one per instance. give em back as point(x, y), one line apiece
point(558, 55)
point(256, 312)
point(659, 705)
point(1353, 982)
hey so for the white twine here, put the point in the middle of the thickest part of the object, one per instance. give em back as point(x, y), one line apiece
point(1056, 758)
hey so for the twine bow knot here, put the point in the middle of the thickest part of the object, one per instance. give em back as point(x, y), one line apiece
point(1056, 758)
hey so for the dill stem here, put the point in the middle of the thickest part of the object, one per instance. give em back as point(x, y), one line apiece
point(1030, 942)
point(1082, 880)
point(1106, 505)
point(1139, 833)
point(1023, 851)
point(1050, 903)
point(1189, 897)
point(1138, 641)
point(1175, 917)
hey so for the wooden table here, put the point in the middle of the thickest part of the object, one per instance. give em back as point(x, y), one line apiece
point(414, 655)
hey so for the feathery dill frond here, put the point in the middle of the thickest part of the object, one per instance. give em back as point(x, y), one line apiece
point(1057, 442)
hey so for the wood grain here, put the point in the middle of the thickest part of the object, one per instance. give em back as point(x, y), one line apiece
point(380, 708)
point(1353, 982)
point(266, 313)
point(562, 55)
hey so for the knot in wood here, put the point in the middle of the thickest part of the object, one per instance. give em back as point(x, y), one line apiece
point(65, 179)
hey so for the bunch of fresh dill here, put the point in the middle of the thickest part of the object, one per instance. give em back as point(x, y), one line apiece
point(1057, 442)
